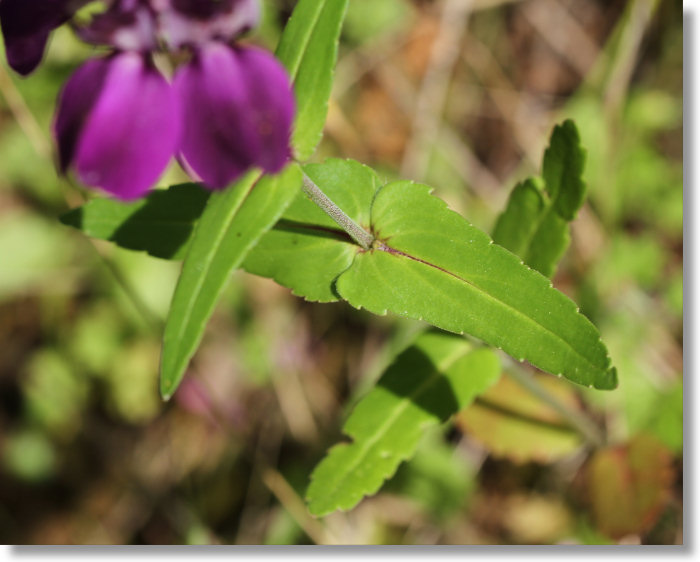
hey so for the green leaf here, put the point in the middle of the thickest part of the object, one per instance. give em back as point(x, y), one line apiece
point(426, 384)
point(306, 250)
point(309, 49)
point(548, 244)
point(518, 224)
point(233, 221)
point(562, 170)
point(531, 229)
point(161, 224)
point(430, 264)
point(535, 223)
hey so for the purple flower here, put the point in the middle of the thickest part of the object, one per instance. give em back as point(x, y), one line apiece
point(26, 25)
point(118, 124)
point(238, 111)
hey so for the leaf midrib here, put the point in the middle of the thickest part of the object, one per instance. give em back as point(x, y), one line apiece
point(526, 253)
point(296, 63)
point(399, 253)
point(551, 203)
point(400, 409)
point(208, 264)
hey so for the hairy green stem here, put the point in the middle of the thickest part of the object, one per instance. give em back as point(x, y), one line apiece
point(356, 232)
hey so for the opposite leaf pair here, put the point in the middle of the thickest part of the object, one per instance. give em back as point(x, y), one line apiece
point(428, 263)
point(432, 266)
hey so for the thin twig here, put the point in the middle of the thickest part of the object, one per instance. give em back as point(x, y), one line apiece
point(517, 108)
point(295, 406)
point(477, 177)
point(363, 60)
point(294, 505)
point(23, 115)
point(433, 91)
point(563, 33)
point(639, 16)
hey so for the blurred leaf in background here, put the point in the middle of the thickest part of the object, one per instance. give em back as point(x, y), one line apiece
point(629, 486)
point(510, 422)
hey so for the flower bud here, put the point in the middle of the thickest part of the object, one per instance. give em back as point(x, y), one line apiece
point(26, 25)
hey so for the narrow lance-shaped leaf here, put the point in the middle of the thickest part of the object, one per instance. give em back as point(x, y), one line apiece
point(160, 224)
point(233, 221)
point(562, 170)
point(519, 222)
point(430, 381)
point(535, 223)
point(309, 49)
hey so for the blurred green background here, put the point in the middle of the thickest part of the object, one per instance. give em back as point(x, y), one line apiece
point(461, 95)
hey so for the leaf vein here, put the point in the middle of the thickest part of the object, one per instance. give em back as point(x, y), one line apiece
point(510, 308)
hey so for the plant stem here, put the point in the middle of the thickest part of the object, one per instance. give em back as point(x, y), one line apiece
point(356, 232)
point(579, 422)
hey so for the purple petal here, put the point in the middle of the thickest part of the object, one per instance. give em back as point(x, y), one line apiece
point(238, 109)
point(124, 136)
point(26, 25)
point(74, 105)
point(272, 106)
